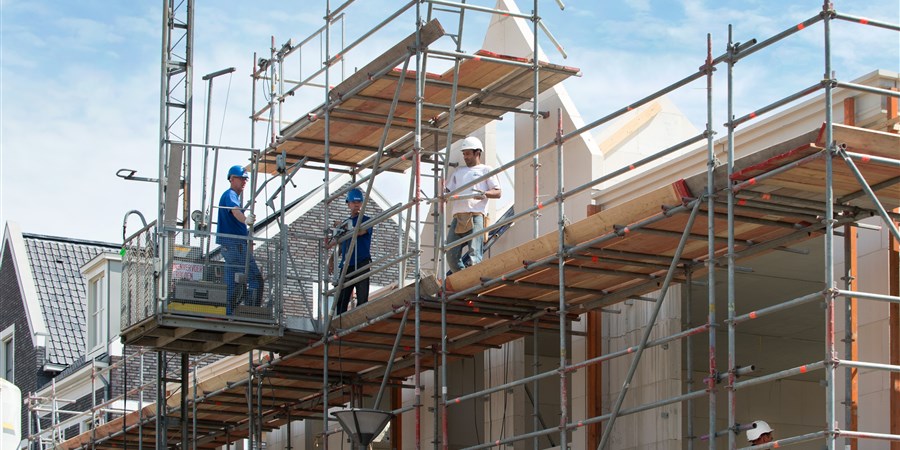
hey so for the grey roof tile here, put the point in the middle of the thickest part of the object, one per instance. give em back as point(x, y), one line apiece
point(55, 264)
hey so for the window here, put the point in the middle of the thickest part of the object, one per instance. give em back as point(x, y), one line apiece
point(8, 354)
point(96, 313)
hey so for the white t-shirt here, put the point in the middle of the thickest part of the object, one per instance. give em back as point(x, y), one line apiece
point(464, 175)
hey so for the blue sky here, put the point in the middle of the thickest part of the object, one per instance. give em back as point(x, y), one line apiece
point(80, 80)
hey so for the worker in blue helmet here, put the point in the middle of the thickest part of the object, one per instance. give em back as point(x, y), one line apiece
point(355, 252)
point(243, 279)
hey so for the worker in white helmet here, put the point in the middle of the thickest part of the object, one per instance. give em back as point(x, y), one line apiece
point(760, 433)
point(470, 206)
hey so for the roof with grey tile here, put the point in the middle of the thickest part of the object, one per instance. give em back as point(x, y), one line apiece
point(55, 263)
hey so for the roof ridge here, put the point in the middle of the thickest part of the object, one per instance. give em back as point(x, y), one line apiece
point(69, 240)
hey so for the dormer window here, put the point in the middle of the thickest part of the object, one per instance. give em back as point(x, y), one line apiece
point(102, 278)
point(96, 312)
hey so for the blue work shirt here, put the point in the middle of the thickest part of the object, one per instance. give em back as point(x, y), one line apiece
point(228, 224)
point(363, 244)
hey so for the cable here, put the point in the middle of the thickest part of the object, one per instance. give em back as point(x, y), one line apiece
point(225, 109)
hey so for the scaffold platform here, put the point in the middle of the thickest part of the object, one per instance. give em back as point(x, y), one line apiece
point(612, 255)
point(487, 86)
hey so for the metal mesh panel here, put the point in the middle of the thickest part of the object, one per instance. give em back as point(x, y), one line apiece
point(138, 284)
point(203, 279)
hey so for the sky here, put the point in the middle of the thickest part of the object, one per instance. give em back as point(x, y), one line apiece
point(80, 81)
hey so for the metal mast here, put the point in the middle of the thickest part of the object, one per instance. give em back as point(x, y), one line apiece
point(176, 93)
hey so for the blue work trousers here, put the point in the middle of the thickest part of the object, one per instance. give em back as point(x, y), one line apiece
point(454, 255)
point(250, 291)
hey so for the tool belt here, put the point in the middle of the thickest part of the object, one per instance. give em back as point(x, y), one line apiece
point(465, 221)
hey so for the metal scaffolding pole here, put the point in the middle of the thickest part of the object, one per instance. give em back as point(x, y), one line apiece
point(711, 243)
point(561, 260)
point(830, 151)
point(535, 117)
point(326, 309)
point(732, 398)
point(607, 432)
point(417, 274)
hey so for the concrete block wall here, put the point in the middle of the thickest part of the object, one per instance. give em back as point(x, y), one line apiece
point(872, 332)
point(658, 375)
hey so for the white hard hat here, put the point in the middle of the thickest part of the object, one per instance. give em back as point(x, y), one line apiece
point(471, 143)
point(759, 428)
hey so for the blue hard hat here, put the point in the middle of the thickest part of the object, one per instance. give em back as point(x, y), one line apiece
point(237, 171)
point(355, 195)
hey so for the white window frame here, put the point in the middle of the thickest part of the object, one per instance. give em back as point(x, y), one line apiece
point(7, 340)
point(97, 302)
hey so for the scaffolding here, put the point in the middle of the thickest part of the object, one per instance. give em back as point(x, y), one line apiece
point(625, 252)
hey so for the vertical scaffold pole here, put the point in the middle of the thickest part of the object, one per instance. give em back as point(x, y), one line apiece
point(689, 360)
point(711, 244)
point(536, 159)
point(185, 367)
point(561, 262)
point(535, 401)
point(417, 156)
point(440, 227)
point(251, 422)
point(830, 356)
point(161, 421)
point(326, 309)
point(732, 400)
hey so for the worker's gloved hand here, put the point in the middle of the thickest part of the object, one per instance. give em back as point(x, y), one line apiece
point(249, 219)
point(478, 194)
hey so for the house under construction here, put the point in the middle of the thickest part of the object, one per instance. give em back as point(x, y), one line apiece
point(667, 302)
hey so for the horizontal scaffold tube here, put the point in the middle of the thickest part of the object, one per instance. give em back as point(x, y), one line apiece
point(874, 159)
point(480, 8)
point(892, 227)
point(777, 104)
point(580, 189)
point(780, 375)
point(780, 307)
point(577, 366)
point(867, 21)
point(868, 296)
point(787, 441)
point(869, 89)
point(869, 365)
point(868, 435)
point(571, 251)
point(581, 423)
point(781, 169)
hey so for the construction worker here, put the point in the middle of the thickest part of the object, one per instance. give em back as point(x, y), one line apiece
point(470, 208)
point(760, 433)
point(357, 258)
point(233, 236)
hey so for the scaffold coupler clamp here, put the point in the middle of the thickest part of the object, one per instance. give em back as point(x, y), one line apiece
point(621, 230)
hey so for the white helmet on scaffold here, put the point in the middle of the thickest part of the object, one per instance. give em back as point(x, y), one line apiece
point(471, 143)
point(759, 428)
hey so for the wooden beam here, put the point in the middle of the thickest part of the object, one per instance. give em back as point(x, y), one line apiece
point(171, 336)
point(640, 118)
point(892, 111)
point(397, 421)
point(850, 113)
point(852, 283)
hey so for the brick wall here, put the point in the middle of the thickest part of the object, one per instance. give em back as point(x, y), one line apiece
point(304, 266)
point(28, 361)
